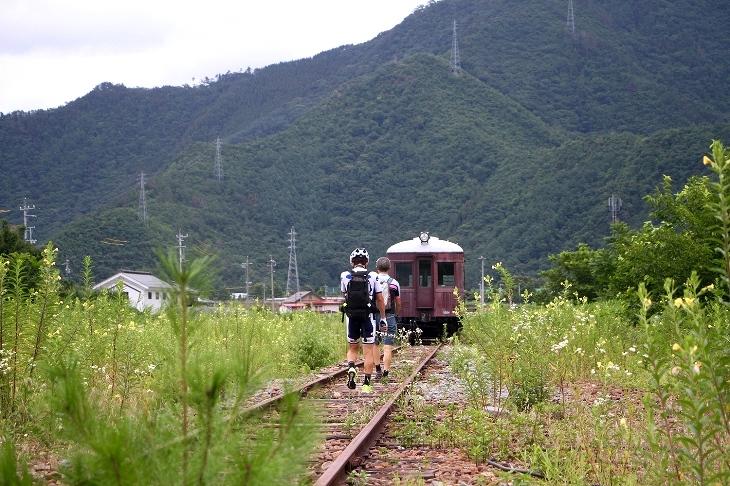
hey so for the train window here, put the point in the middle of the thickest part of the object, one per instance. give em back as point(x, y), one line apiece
point(446, 274)
point(404, 274)
point(424, 273)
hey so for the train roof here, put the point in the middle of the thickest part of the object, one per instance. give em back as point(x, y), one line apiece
point(432, 245)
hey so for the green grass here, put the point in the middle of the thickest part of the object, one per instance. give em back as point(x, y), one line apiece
point(138, 398)
point(591, 398)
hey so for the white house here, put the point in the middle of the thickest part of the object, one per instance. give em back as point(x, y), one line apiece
point(144, 290)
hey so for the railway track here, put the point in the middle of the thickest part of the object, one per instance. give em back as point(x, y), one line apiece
point(354, 422)
point(342, 455)
point(362, 443)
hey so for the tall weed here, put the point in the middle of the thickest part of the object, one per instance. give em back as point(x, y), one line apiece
point(184, 422)
point(113, 392)
point(689, 410)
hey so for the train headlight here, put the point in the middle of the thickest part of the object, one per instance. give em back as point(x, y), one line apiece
point(423, 237)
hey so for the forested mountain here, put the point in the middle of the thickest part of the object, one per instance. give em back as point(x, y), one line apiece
point(514, 158)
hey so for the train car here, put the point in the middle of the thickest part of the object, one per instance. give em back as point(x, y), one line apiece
point(428, 270)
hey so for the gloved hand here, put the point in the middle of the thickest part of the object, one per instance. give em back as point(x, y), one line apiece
point(383, 325)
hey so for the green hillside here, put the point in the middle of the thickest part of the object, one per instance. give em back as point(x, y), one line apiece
point(513, 159)
point(398, 129)
point(550, 200)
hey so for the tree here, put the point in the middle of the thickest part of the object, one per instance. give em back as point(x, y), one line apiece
point(678, 244)
point(580, 269)
point(12, 240)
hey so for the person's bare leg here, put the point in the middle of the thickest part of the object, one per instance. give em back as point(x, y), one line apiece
point(367, 352)
point(387, 356)
point(352, 351)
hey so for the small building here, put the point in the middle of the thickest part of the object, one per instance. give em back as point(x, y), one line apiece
point(330, 305)
point(299, 301)
point(144, 290)
point(308, 300)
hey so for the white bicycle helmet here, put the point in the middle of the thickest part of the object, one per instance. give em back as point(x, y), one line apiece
point(359, 253)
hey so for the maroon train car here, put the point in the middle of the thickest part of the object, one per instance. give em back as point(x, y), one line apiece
point(428, 269)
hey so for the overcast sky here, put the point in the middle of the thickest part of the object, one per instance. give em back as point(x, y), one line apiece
point(54, 51)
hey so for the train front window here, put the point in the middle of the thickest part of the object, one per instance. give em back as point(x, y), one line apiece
point(404, 274)
point(446, 274)
point(424, 273)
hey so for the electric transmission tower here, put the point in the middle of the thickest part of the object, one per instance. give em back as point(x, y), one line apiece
point(180, 248)
point(271, 264)
point(28, 236)
point(142, 216)
point(218, 171)
point(248, 283)
point(614, 205)
point(292, 264)
point(571, 18)
point(455, 61)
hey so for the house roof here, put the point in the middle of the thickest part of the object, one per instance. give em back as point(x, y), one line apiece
point(298, 296)
point(142, 280)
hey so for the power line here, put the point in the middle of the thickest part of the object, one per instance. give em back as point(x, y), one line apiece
point(28, 236)
point(113, 241)
point(271, 264)
point(218, 170)
point(180, 248)
point(481, 284)
point(248, 283)
point(614, 205)
point(292, 264)
point(142, 209)
point(455, 61)
point(571, 18)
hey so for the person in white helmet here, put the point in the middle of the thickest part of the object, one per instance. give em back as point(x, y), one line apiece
point(360, 289)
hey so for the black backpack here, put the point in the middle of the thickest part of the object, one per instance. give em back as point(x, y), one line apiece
point(357, 297)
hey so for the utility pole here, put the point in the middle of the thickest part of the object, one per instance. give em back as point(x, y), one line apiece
point(142, 210)
point(180, 248)
point(455, 61)
point(481, 282)
point(292, 264)
point(271, 266)
point(245, 266)
point(614, 205)
point(28, 236)
point(218, 170)
point(571, 18)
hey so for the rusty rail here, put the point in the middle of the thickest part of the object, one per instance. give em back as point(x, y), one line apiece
point(337, 472)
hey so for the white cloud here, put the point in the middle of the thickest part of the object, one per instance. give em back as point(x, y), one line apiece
point(46, 26)
point(54, 51)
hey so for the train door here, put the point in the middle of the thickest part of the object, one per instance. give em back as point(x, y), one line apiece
point(424, 283)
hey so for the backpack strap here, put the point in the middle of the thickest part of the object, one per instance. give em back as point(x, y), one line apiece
point(391, 302)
